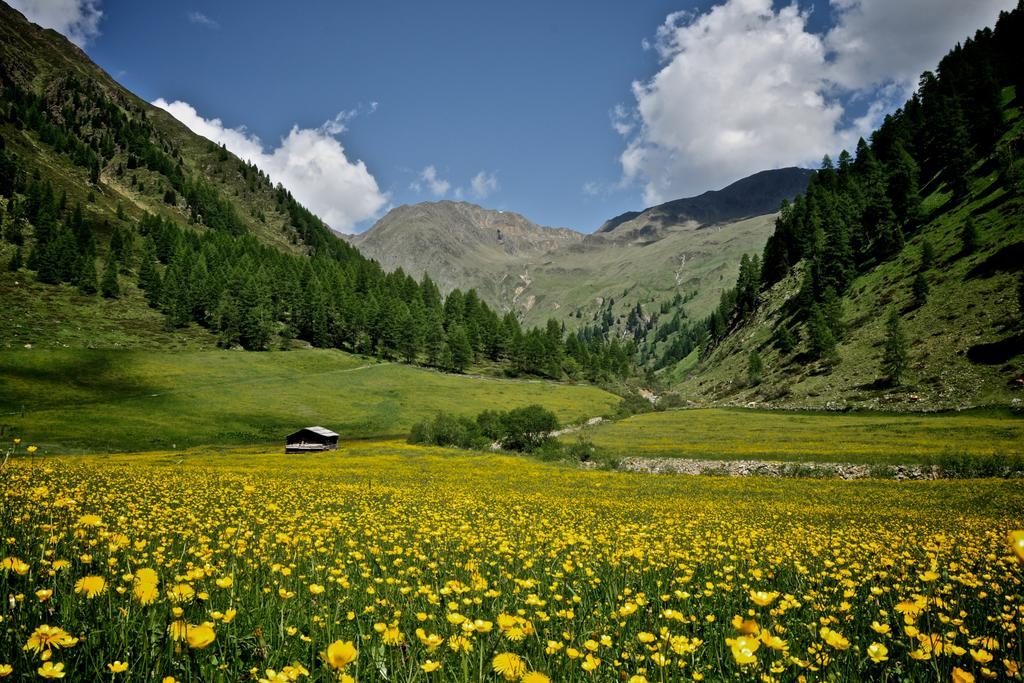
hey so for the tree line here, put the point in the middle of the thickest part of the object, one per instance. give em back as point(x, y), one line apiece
point(859, 211)
point(253, 295)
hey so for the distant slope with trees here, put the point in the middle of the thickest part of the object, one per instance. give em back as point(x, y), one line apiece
point(103, 196)
point(894, 278)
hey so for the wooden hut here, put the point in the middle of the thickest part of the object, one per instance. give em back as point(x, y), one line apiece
point(311, 439)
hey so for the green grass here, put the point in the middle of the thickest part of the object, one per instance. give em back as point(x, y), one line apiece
point(58, 316)
point(777, 435)
point(82, 400)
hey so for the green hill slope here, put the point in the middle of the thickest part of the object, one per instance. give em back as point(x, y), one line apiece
point(906, 288)
point(964, 342)
point(76, 400)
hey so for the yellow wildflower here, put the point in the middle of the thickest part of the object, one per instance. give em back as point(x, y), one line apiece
point(200, 636)
point(508, 665)
point(91, 586)
point(49, 669)
point(961, 676)
point(340, 654)
point(1017, 543)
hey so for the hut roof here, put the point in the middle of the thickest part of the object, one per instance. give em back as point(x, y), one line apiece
point(322, 431)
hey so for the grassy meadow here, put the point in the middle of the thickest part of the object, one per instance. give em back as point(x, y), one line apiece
point(80, 400)
point(389, 562)
point(869, 438)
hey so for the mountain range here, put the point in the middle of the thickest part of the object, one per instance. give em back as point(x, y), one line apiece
point(690, 246)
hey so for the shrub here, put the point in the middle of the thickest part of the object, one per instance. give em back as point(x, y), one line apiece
point(528, 428)
point(448, 430)
point(582, 449)
point(521, 429)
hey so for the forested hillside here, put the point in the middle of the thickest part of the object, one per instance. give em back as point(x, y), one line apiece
point(111, 207)
point(899, 268)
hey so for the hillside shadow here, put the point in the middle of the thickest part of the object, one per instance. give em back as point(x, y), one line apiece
point(38, 382)
point(876, 385)
point(1006, 260)
point(998, 352)
point(992, 204)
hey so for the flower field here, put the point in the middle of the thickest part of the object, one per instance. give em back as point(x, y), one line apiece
point(388, 562)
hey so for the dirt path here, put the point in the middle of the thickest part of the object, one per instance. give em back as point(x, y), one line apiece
point(575, 428)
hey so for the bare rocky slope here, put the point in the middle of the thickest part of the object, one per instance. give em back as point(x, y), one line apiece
point(460, 245)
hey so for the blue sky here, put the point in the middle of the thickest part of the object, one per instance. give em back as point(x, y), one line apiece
point(568, 112)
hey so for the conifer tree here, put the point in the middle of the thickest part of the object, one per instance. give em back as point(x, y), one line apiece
point(461, 351)
point(894, 355)
point(201, 292)
point(228, 319)
point(785, 341)
point(108, 285)
point(445, 358)
point(755, 368)
point(255, 324)
point(149, 278)
point(927, 255)
point(174, 295)
point(820, 340)
point(920, 290)
point(435, 341)
point(86, 280)
point(968, 237)
point(16, 260)
point(408, 338)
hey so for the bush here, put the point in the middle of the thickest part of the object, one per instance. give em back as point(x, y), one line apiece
point(957, 465)
point(448, 430)
point(491, 424)
point(550, 451)
point(581, 450)
point(528, 428)
point(521, 429)
point(633, 404)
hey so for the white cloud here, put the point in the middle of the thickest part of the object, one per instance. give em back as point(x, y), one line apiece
point(433, 182)
point(310, 162)
point(878, 41)
point(201, 19)
point(623, 120)
point(77, 20)
point(484, 184)
point(744, 87)
point(429, 180)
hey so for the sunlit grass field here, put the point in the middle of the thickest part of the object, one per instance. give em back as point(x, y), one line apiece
point(871, 438)
point(389, 562)
point(142, 400)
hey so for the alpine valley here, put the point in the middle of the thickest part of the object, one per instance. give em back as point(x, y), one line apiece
point(237, 445)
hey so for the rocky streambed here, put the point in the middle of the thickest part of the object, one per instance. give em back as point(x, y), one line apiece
point(768, 468)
